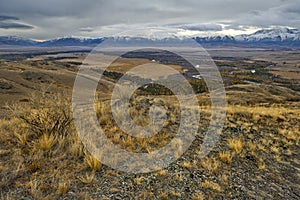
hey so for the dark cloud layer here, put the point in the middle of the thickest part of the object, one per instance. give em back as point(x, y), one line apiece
point(3, 18)
point(53, 18)
point(8, 22)
point(201, 27)
point(283, 15)
point(12, 25)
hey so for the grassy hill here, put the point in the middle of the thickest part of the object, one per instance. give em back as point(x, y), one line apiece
point(42, 157)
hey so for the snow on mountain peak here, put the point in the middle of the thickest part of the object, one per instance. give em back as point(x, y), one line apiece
point(277, 34)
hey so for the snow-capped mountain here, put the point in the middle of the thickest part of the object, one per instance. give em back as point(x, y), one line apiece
point(280, 34)
point(13, 40)
point(72, 41)
point(265, 37)
point(215, 39)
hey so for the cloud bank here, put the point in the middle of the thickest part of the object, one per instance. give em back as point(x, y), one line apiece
point(55, 18)
point(8, 22)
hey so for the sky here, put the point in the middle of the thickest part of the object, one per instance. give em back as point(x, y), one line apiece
point(47, 19)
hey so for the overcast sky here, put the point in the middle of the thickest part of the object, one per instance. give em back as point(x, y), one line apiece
point(47, 19)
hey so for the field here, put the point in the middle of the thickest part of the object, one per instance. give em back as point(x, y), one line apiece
point(257, 156)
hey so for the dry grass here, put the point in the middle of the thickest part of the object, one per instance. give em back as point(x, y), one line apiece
point(63, 188)
point(198, 196)
point(224, 179)
point(261, 164)
point(225, 157)
point(87, 178)
point(114, 190)
point(251, 146)
point(139, 111)
point(236, 145)
point(122, 65)
point(44, 143)
point(211, 185)
point(162, 173)
point(262, 111)
point(139, 180)
point(22, 138)
point(41, 156)
point(187, 164)
point(211, 164)
point(57, 161)
point(163, 196)
point(92, 162)
point(174, 193)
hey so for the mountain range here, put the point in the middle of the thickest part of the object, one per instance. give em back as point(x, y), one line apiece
point(265, 37)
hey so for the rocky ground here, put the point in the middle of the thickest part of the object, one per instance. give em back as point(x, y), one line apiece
point(257, 157)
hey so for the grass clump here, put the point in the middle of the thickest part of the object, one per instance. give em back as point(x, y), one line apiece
point(236, 145)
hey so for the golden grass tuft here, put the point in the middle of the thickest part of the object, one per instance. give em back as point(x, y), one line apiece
point(139, 180)
point(225, 156)
point(163, 196)
point(236, 145)
point(162, 173)
point(198, 196)
point(34, 188)
point(75, 146)
point(275, 149)
point(85, 196)
point(174, 193)
point(35, 165)
point(261, 164)
point(22, 138)
point(223, 179)
point(88, 178)
point(45, 142)
point(211, 185)
point(251, 146)
point(114, 190)
point(92, 162)
point(211, 164)
point(186, 164)
point(63, 188)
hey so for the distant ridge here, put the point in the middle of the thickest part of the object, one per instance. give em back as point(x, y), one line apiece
point(72, 41)
point(265, 37)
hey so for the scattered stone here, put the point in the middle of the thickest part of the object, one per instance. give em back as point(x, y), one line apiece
point(27, 75)
point(5, 85)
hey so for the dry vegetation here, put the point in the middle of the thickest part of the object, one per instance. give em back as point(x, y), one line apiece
point(42, 157)
point(257, 156)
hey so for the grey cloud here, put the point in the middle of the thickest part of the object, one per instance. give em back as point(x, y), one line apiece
point(86, 29)
point(291, 8)
point(52, 18)
point(12, 25)
point(3, 18)
point(283, 15)
point(236, 27)
point(201, 27)
point(8, 22)
point(47, 7)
